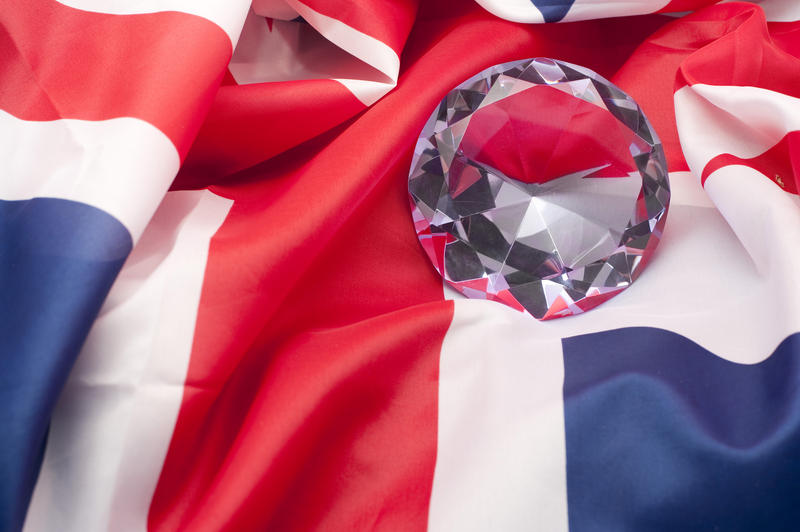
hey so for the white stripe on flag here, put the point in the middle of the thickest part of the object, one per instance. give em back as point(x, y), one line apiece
point(276, 9)
point(99, 163)
point(498, 364)
point(368, 49)
point(373, 52)
point(515, 10)
point(228, 15)
point(777, 10)
point(526, 11)
point(781, 10)
point(501, 455)
point(741, 121)
point(323, 49)
point(590, 9)
point(767, 221)
point(114, 420)
point(292, 51)
point(688, 286)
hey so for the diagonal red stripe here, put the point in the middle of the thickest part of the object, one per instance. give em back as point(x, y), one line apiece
point(250, 123)
point(781, 163)
point(59, 62)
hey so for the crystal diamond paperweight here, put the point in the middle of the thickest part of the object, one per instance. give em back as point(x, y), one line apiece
point(541, 185)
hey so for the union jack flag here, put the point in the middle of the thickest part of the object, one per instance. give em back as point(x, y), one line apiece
point(215, 315)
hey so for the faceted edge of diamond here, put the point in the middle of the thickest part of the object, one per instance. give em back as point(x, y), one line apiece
point(543, 70)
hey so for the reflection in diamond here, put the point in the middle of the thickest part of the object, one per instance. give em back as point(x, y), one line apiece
point(541, 185)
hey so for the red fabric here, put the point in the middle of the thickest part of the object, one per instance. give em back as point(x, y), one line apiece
point(786, 36)
point(781, 163)
point(251, 123)
point(700, 48)
point(733, 47)
point(732, 44)
point(389, 21)
point(111, 66)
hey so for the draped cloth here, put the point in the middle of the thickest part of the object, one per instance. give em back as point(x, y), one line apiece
point(215, 314)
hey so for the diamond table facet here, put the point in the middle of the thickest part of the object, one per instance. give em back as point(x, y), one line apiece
point(541, 185)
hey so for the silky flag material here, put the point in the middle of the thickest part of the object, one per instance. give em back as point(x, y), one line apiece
point(215, 313)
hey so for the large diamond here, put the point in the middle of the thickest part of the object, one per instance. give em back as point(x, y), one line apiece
point(541, 185)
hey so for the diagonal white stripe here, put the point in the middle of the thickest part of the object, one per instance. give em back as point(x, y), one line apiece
point(99, 163)
point(767, 222)
point(364, 47)
point(323, 49)
point(777, 10)
point(291, 51)
point(590, 9)
point(114, 420)
point(526, 11)
point(741, 121)
point(514, 10)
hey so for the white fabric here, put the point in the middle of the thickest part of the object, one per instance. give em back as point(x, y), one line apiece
point(525, 11)
point(589, 9)
point(776, 10)
point(292, 51)
point(114, 420)
point(767, 222)
point(501, 451)
point(325, 48)
point(99, 163)
point(365, 47)
point(741, 121)
point(514, 10)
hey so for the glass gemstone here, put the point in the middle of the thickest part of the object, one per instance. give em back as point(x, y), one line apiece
point(541, 185)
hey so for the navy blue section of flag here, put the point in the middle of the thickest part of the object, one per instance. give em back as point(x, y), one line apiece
point(57, 263)
point(553, 10)
point(663, 435)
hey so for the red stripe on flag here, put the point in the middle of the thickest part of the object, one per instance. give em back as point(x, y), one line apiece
point(60, 62)
point(250, 123)
point(312, 391)
point(781, 163)
point(389, 21)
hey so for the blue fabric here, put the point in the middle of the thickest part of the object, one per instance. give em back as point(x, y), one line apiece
point(553, 10)
point(662, 435)
point(58, 259)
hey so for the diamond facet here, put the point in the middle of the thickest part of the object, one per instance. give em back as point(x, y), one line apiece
point(541, 185)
